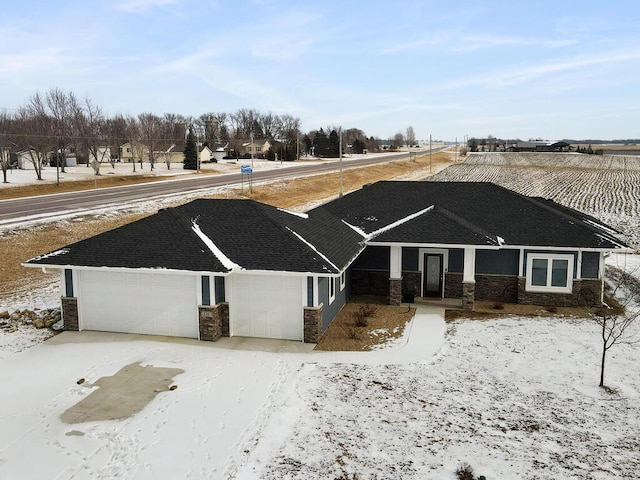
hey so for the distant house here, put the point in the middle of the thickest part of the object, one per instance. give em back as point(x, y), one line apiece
point(238, 267)
point(134, 151)
point(537, 146)
point(23, 159)
point(259, 148)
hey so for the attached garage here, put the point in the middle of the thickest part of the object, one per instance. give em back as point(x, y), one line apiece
point(267, 306)
point(150, 303)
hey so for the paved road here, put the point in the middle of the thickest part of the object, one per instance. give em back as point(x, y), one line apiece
point(21, 209)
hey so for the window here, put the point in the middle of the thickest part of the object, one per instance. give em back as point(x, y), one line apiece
point(549, 273)
point(258, 149)
point(343, 280)
point(332, 289)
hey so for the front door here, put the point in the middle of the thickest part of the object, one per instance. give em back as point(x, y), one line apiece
point(432, 275)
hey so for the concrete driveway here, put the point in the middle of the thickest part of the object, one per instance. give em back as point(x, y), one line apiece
point(201, 429)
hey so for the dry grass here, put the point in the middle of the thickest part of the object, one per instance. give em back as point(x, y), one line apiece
point(387, 323)
point(485, 310)
point(22, 244)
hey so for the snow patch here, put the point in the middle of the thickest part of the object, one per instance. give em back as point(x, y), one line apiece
point(297, 214)
point(226, 261)
point(312, 247)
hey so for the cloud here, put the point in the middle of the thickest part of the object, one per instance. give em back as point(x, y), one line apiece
point(139, 6)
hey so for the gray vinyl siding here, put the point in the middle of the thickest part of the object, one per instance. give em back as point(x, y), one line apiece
point(456, 260)
point(410, 259)
point(374, 258)
point(329, 312)
point(497, 262)
point(590, 264)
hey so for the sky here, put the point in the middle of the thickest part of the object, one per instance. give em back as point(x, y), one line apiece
point(449, 69)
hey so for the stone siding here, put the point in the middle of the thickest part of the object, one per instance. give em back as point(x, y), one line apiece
point(497, 288)
point(210, 323)
point(452, 285)
point(312, 324)
point(411, 283)
point(395, 291)
point(585, 293)
point(70, 314)
point(370, 282)
point(468, 295)
point(224, 318)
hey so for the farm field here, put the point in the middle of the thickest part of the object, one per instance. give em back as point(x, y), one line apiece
point(607, 187)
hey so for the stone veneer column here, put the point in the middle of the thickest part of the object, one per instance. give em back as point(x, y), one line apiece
point(70, 314)
point(312, 324)
point(224, 318)
point(210, 323)
point(468, 295)
point(395, 291)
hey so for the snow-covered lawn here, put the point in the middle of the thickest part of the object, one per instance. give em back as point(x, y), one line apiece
point(514, 397)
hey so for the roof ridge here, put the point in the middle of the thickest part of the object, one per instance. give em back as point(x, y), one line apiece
point(287, 230)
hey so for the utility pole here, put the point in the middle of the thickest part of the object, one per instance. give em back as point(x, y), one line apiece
point(429, 153)
point(340, 147)
point(456, 149)
point(251, 140)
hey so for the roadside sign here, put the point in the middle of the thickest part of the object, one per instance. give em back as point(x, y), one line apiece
point(246, 169)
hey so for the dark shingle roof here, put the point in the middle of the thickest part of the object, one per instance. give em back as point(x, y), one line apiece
point(256, 236)
point(483, 208)
point(252, 235)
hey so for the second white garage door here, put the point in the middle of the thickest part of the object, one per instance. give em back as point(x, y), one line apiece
point(151, 303)
point(267, 306)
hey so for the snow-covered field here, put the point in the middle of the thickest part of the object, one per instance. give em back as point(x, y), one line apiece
point(607, 187)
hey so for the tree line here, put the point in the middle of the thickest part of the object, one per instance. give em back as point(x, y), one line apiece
point(52, 124)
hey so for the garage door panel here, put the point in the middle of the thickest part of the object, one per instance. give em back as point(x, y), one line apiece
point(267, 306)
point(156, 304)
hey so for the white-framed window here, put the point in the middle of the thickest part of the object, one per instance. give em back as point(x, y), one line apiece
point(258, 149)
point(332, 289)
point(548, 272)
point(343, 280)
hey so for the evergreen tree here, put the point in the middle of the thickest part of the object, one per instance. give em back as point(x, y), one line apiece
point(191, 152)
point(335, 144)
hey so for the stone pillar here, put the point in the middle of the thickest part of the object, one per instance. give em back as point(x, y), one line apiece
point(468, 295)
point(210, 323)
point(312, 324)
point(224, 318)
point(70, 314)
point(395, 291)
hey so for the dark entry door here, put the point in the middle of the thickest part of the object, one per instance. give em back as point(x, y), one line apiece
point(432, 275)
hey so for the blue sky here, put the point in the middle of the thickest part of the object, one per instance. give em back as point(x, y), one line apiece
point(562, 69)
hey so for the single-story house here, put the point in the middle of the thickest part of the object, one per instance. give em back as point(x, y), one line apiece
point(238, 267)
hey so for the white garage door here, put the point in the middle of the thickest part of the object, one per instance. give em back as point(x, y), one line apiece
point(267, 306)
point(148, 303)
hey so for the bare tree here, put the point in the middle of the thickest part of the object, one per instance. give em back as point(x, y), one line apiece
point(66, 111)
point(410, 136)
point(150, 126)
point(398, 140)
point(37, 133)
point(616, 322)
point(92, 127)
point(6, 124)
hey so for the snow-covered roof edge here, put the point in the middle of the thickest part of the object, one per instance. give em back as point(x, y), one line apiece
point(312, 247)
point(226, 261)
point(391, 226)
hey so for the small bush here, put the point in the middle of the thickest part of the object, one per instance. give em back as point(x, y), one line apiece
point(465, 472)
point(352, 334)
point(498, 306)
point(359, 320)
point(368, 310)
